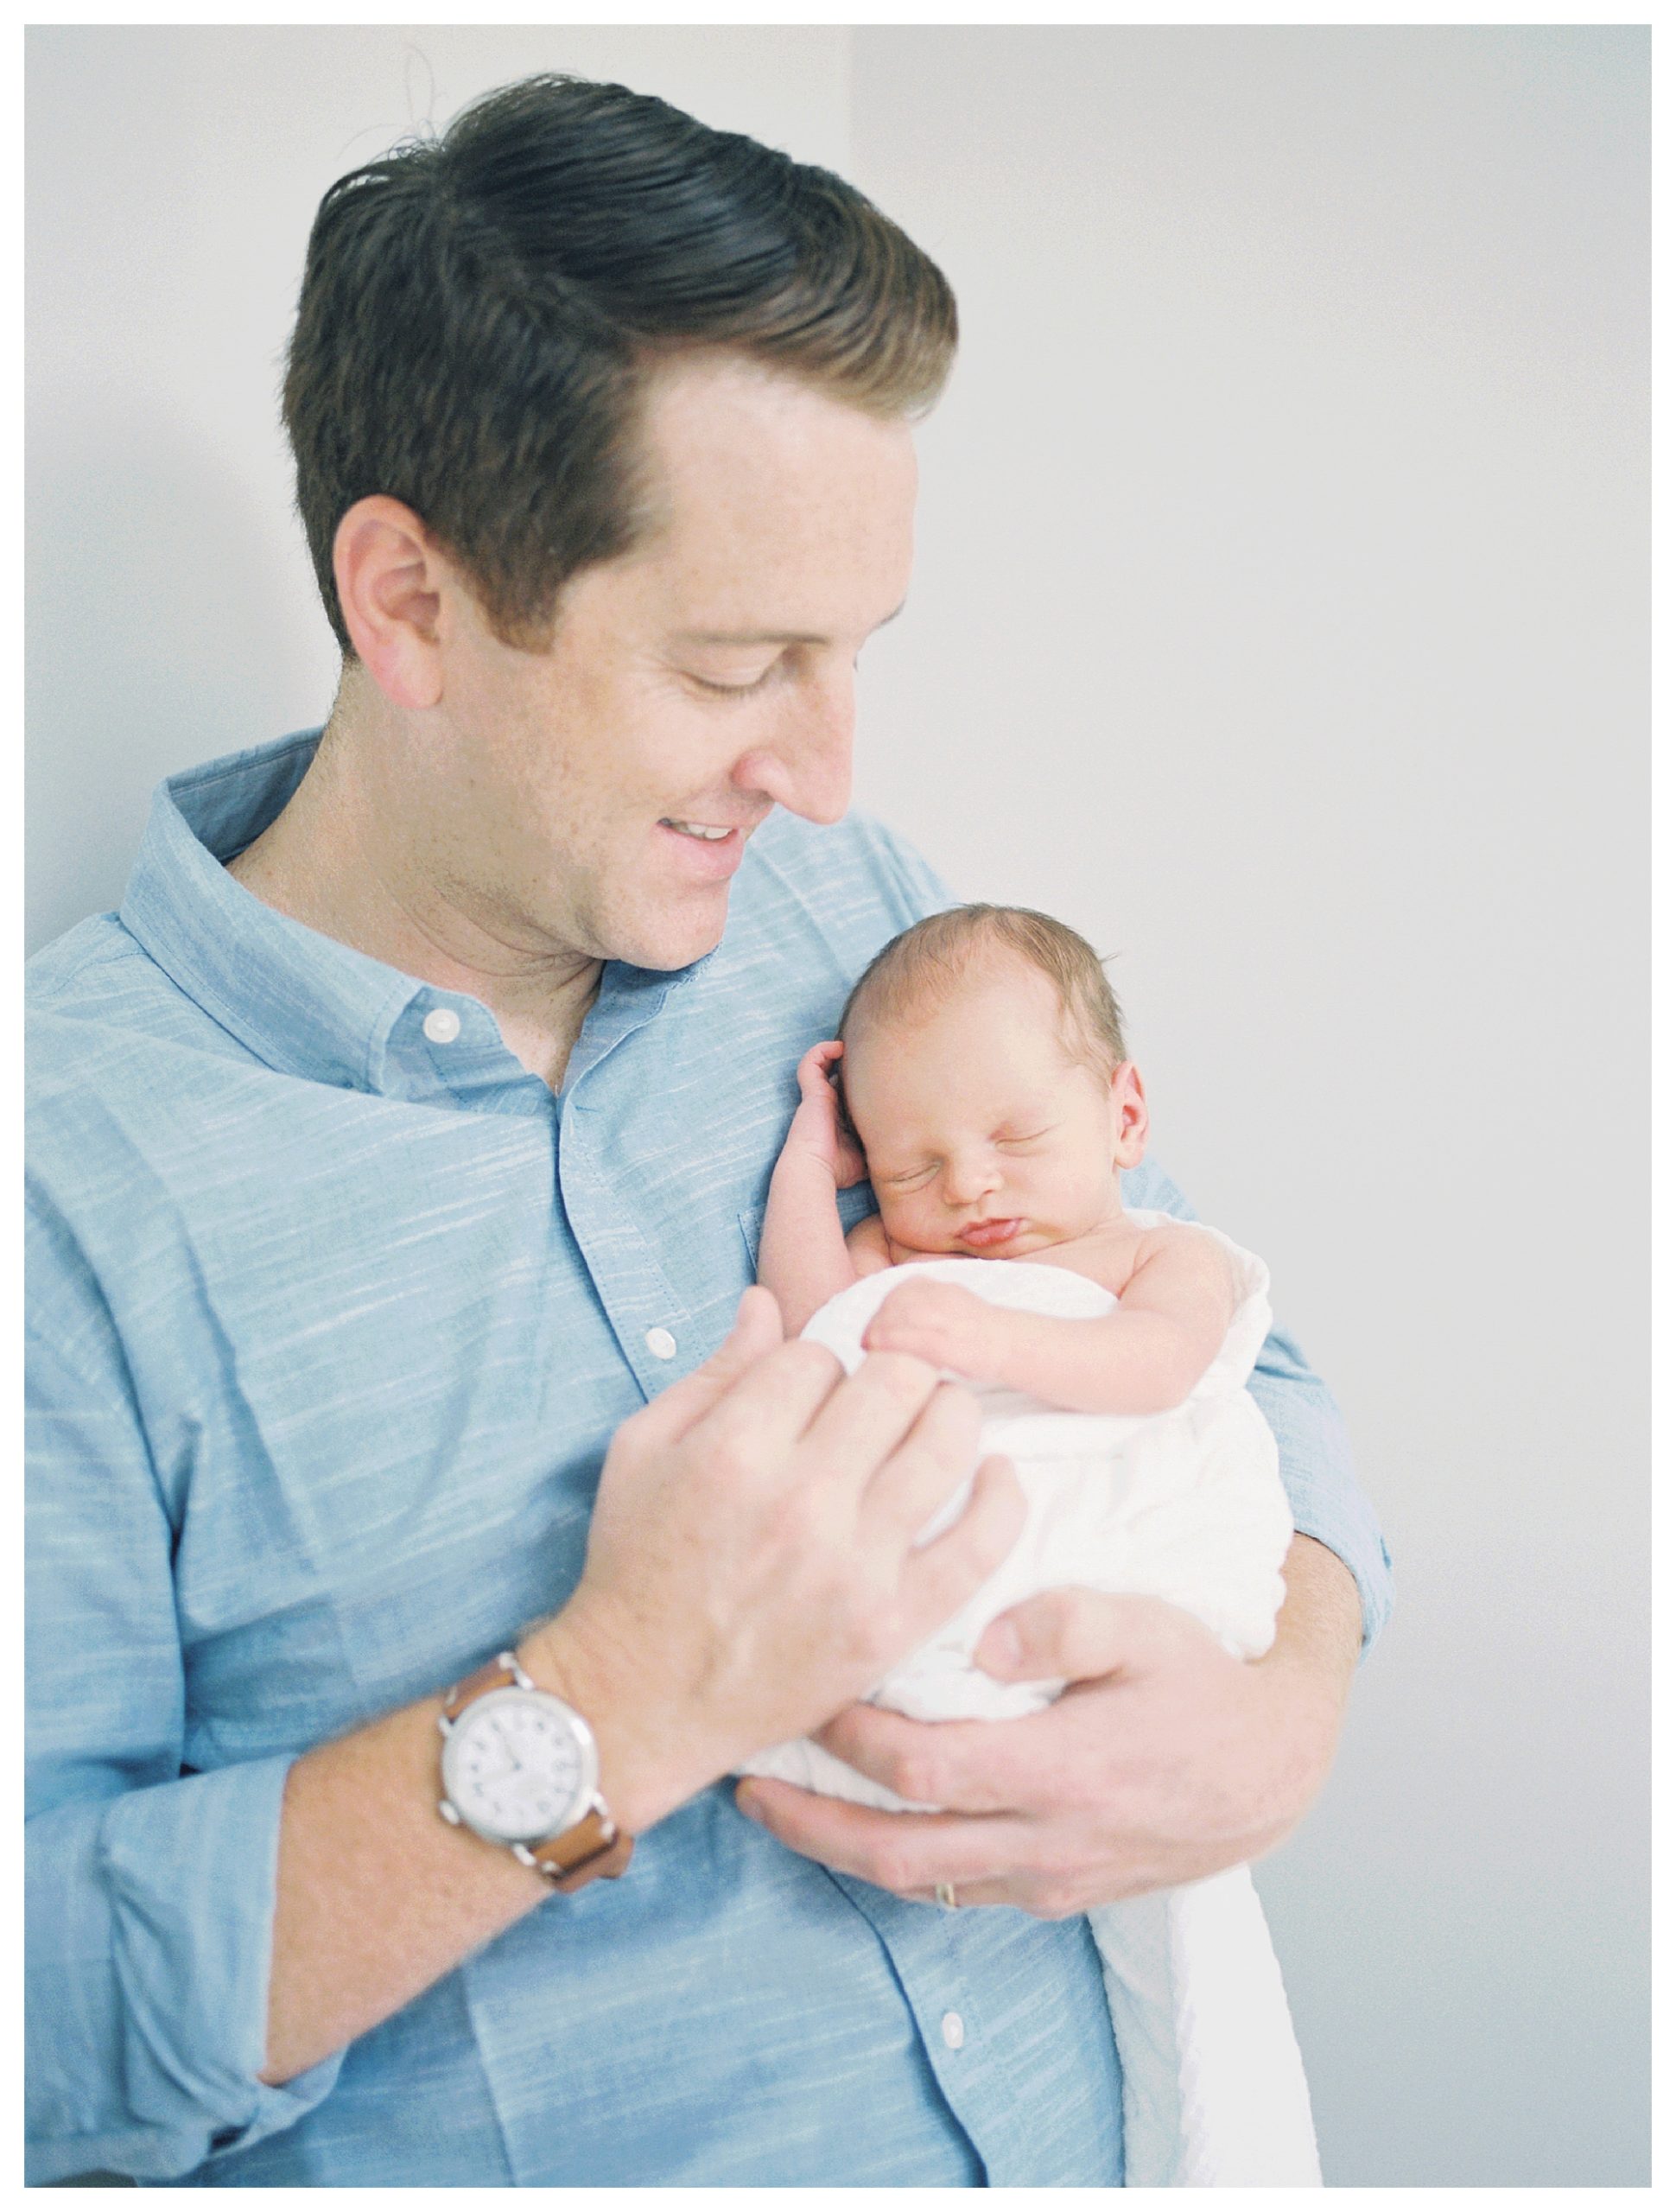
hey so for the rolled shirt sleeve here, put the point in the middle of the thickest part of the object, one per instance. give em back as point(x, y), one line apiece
point(150, 1918)
point(1316, 1466)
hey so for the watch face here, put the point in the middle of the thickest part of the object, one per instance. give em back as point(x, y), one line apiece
point(519, 1766)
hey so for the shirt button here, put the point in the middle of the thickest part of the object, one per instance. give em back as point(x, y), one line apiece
point(954, 2030)
point(660, 1344)
point(442, 1025)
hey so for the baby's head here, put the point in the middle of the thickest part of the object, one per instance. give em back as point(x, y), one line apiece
point(986, 1077)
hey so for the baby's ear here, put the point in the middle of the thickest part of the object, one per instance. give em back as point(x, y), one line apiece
point(1130, 1124)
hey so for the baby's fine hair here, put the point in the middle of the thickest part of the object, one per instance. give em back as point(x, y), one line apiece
point(925, 963)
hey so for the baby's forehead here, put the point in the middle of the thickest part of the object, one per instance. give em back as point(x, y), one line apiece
point(987, 975)
point(1000, 1050)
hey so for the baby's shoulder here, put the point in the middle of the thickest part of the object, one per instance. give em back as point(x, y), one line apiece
point(1108, 1256)
point(1115, 1256)
point(1183, 1257)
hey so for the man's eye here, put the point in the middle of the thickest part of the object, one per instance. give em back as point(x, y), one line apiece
point(734, 690)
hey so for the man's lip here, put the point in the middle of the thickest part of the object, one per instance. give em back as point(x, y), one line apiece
point(991, 1232)
point(704, 822)
point(710, 860)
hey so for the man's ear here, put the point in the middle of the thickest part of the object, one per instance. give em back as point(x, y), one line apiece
point(391, 576)
point(1129, 1119)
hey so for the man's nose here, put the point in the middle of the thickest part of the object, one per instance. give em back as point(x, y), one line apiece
point(807, 766)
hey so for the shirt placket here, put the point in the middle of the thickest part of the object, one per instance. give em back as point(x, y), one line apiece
point(653, 1324)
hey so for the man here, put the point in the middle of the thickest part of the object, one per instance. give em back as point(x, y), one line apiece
point(397, 1158)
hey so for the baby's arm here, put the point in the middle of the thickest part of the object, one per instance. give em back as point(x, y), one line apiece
point(802, 1257)
point(1143, 1357)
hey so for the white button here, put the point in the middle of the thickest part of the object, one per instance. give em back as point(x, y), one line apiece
point(954, 2030)
point(660, 1344)
point(442, 1025)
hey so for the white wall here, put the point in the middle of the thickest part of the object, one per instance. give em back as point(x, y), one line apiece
point(1279, 620)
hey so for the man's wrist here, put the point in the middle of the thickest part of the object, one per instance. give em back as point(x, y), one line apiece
point(641, 1776)
point(1311, 1662)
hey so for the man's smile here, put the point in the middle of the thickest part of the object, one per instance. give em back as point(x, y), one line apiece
point(709, 851)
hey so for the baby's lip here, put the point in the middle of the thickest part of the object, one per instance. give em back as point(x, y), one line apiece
point(991, 1232)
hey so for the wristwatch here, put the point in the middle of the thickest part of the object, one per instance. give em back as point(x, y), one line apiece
point(521, 1768)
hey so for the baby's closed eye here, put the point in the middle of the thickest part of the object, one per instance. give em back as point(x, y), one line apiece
point(904, 1178)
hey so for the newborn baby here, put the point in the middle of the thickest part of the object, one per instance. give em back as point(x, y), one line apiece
point(987, 1093)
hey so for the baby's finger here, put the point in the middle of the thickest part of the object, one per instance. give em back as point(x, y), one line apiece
point(813, 1066)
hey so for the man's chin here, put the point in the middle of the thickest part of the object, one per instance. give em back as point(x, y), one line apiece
point(667, 943)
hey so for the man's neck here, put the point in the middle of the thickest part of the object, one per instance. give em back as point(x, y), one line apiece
point(337, 861)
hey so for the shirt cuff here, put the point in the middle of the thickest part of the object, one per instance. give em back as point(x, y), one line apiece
point(183, 1877)
point(1326, 1503)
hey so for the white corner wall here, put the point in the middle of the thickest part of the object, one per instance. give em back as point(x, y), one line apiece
point(1281, 619)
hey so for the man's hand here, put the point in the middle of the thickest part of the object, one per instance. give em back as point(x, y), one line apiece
point(1166, 1760)
point(752, 1563)
point(751, 1569)
point(945, 1326)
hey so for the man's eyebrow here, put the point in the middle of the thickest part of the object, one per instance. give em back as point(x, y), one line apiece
point(768, 636)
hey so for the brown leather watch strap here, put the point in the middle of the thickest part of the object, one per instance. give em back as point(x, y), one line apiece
point(595, 1846)
point(492, 1675)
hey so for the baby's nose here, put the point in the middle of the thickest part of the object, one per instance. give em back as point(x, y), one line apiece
point(965, 1180)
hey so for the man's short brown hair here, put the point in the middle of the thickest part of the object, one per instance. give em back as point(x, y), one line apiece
point(480, 312)
point(924, 964)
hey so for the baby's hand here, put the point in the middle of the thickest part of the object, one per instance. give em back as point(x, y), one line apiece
point(817, 1126)
point(941, 1324)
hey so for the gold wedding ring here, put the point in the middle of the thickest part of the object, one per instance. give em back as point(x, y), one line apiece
point(946, 1897)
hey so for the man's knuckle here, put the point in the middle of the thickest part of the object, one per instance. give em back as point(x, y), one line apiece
point(900, 1374)
point(863, 1651)
point(955, 1409)
point(800, 1521)
point(804, 1361)
point(728, 1460)
point(908, 1771)
point(892, 1869)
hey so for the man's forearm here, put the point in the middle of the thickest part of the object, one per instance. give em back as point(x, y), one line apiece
point(1317, 1636)
point(377, 1896)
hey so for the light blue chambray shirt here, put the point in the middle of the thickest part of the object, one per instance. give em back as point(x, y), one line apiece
point(330, 1323)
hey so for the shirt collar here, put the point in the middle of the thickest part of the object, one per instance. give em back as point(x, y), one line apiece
point(300, 1001)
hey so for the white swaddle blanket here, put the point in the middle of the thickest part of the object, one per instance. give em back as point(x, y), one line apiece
point(1186, 1506)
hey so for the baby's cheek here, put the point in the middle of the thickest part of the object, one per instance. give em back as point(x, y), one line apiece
point(897, 1220)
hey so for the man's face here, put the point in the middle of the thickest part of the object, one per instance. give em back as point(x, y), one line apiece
point(692, 685)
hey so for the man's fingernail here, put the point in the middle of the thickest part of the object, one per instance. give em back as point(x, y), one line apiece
point(1000, 1648)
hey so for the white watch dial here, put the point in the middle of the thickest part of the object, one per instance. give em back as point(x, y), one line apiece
point(519, 1766)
